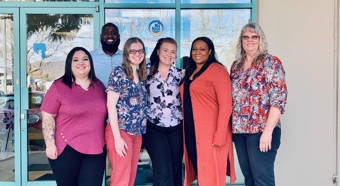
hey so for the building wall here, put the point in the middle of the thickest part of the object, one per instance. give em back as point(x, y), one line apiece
point(303, 35)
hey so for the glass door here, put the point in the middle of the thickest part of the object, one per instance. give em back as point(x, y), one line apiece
point(49, 34)
point(9, 123)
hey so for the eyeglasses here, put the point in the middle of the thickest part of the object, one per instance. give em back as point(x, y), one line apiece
point(140, 51)
point(250, 37)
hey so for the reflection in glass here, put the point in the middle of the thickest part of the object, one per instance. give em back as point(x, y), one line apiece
point(6, 98)
point(149, 25)
point(49, 0)
point(139, 1)
point(215, 1)
point(48, 43)
point(221, 26)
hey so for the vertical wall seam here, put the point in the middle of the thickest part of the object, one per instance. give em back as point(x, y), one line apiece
point(336, 89)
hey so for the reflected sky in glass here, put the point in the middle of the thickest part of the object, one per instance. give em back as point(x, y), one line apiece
point(221, 26)
point(216, 1)
point(182, 1)
point(139, 1)
point(149, 25)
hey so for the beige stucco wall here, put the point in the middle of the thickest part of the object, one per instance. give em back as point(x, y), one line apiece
point(302, 34)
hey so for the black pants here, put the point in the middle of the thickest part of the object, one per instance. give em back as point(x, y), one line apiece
point(257, 167)
point(190, 144)
point(72, 168)
point(165, 148)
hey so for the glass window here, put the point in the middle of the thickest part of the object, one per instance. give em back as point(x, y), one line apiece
point(6, 98)
point(48, 43)
point(49, 0)
point(222, 26)
point(216, 1)
point(139, 1)
point(149, 25)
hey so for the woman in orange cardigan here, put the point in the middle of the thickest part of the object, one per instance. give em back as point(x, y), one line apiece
point(206, 96)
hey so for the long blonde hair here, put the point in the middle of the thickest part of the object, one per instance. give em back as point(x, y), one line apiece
point(263, 45)
point(127, 63)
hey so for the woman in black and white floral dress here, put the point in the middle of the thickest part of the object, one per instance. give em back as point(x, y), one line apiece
point(164, 137)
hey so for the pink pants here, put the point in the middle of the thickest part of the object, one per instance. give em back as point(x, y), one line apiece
point(124, 169)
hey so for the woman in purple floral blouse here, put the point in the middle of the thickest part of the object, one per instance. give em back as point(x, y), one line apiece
point(126, 103)
point(259, 95)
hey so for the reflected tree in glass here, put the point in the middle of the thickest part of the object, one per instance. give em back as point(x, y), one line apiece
point(54, 34)
point(222, 26)
point(6, 53)
point(6, 98)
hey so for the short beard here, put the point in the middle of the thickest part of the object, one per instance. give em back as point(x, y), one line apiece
point(110, 47)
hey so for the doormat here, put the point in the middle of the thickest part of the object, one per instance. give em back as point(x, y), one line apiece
point(46, 177)
point(39, 167)
point(50, 176)
point(107, 178)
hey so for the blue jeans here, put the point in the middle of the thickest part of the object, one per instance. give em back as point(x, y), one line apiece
point(257, 167)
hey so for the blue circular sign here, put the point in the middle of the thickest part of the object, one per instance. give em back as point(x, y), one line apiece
point(156, 28)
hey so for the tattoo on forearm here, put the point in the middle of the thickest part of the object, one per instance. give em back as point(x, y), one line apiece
point(48, 127)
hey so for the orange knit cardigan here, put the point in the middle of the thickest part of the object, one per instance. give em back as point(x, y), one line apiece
point(211, 104)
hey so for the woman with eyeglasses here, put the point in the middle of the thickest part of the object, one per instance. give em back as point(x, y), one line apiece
point(206, 97)
point(126, 103)
point(164, 139)
point(259, 94)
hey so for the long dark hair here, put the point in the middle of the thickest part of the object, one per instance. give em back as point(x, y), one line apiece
point(68, 76)
point(154, 57)
point(191, 65)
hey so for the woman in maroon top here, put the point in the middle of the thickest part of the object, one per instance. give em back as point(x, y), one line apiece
point(73, 132)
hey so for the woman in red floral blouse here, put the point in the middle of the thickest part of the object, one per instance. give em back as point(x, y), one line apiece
point(259, 95)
